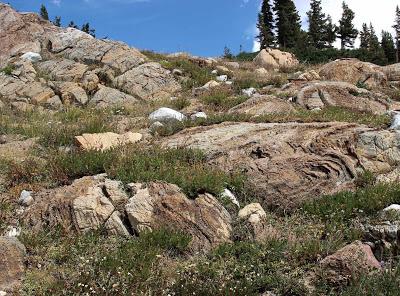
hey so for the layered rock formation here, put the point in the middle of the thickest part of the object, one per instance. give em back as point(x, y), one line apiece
point(73, 66)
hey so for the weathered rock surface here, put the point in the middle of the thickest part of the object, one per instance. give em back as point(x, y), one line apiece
point(107, 96)
point(354, 71)
point(392, 72)
point(275, 59)
point(349, 262)
point(74, 64)
point(161, 205)
point(105, 141)
point(148, 81)
point(289, 163)
point(87, 204)
point(12, 254)
point(341, 94)
point(260, 105)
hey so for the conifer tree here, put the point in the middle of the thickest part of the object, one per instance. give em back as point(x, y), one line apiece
point(330, 32)
point(375, 51)
point(397, 34)
point(287, 23)
point(43, 13)
point(365, 37)
point(388, 47)
point(57, 21)
point(72, 25)
point(346, 32)
point(265, 25)
point(86, 28)
point(316, 24)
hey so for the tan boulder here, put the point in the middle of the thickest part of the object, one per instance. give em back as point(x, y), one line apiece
point(323, 94)
point(275, 59)
point(161, 205)
point(354, 71)
point(261, 105)
point(105, 141)
point(107, 96)
point(89, 203)
point(71, 93)
point(349, 263)
point(148, 81)
point(392, 72)
point(12, 254)
point(289, 163)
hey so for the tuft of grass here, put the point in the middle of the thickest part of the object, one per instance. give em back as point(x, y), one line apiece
point(344, 206)
point(222, 98)
point(8, 69)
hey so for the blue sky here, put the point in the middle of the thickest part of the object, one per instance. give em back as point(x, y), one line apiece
point(201, 27)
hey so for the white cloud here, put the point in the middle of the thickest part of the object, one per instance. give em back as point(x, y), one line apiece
point(56, 2)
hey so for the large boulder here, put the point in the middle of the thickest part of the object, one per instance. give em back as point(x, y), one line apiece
point(63, 70)
point(354, 71)
point(161, 205)
point(349, 263)
point(392, 72)
point(321, 94)
point(12, 254)
point(275, 59)
point(288, 163)
point(147, 81)
point(261, 105)
point(89, 203)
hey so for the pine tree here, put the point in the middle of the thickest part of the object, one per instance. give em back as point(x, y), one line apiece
point(365, 37)
point(287, 23)
point(265, 25)
point(397, 35)
point(316, 24)
point(330, 32)
point(86, 28)
point(388, 47)
point(375, 51)
point(227, 53)
point(43, 13)
point(72, 25)
point(346, 32)
point(57, 21)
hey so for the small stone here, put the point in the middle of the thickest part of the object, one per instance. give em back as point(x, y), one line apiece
point(394, 207)
point(395, 120)
point(249, 91)
point(228, 82)
point(198, 115)
point(32, 57)
point(177, 72)
point(222, 78)
point(166, 114)
point(26, 199)
point(228, 194)
point(215, 72)
point(2, 293)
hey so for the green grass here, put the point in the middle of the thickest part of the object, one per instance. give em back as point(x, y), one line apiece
point(96, 264)
point(365, 202)
point(243, 268)
point(8, 69)
point(222, 99)
point(56, 129)
point(183, 167)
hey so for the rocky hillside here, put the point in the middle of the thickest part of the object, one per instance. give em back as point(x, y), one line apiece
point(136, 173)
